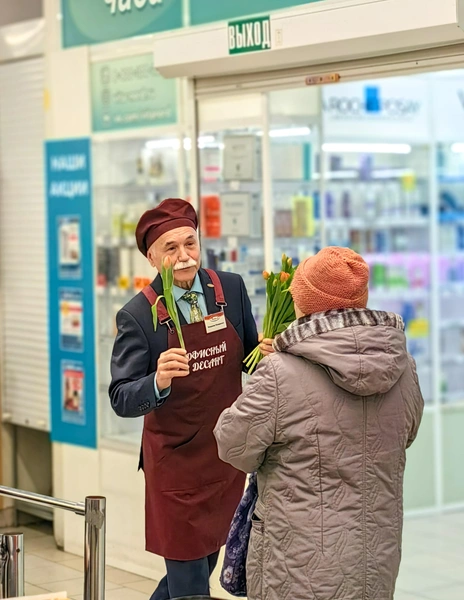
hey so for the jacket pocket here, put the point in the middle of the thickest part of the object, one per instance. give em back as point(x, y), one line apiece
point(255, 560)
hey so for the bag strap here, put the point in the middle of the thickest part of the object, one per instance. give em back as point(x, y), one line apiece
point(218, 291)
point(152, 297)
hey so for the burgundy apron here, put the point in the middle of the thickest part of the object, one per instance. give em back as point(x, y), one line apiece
point(190, 494)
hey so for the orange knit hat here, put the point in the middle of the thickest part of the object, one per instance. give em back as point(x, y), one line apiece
point(333, 278)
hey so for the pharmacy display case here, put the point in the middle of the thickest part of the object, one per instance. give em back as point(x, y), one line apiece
point(377, 202)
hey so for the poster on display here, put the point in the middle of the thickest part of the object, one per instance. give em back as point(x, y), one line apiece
point(241, 215)
point(129, 92)
point(208, 11)
point(235, 214)
point(71, 320)
point(239, 158)
point(71, 292)
point(69, 252)
point(72, 392)
point(387, 110)
point(94, 21)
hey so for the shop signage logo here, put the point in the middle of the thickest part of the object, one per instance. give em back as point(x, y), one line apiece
point(249, 35)
point(372, 104)
point(373, 100)
point(126, 5)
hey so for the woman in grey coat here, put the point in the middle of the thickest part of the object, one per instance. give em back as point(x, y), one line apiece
point(325, 421)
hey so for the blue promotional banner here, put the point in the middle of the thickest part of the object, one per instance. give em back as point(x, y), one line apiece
point(71, 292)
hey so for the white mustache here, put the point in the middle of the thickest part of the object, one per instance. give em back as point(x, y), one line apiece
point(185, 265)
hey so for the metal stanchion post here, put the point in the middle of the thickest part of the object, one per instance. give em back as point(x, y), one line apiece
point(94, 548)
point(11, 546)
point(12, 571)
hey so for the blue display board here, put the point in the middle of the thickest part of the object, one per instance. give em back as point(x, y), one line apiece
point(71, 292)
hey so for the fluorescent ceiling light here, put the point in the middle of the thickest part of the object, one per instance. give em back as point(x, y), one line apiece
point(458, 148)
point(368, 148)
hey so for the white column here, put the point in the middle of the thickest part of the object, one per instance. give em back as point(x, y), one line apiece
point(435, 317)
point(268, 208)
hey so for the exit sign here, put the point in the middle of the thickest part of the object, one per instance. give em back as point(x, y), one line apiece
point(249, 35)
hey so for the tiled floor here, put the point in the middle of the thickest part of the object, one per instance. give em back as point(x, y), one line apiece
point(432, 567)
point(51, 570)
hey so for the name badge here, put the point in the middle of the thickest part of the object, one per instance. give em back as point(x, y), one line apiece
point(215, 322)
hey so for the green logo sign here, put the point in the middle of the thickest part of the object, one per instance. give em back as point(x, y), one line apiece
point(94, 21)
point(208, 11)
point(129, 92)
point(250, 35)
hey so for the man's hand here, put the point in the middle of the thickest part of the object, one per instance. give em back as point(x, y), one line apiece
point(171, 364)
point(265, 345)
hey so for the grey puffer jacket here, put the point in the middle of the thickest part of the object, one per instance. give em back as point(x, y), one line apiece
point(326, 421)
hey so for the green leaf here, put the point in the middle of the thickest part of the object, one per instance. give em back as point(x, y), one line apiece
point(284, 263)
point(154, 311)
point(167, 276)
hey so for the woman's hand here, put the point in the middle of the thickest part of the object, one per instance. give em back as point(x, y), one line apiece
point(265, 345)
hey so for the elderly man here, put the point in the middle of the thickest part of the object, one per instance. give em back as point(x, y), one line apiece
point(191, 495)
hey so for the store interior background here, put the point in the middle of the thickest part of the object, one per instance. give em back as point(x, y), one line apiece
point(388, 185)
point(376, 164)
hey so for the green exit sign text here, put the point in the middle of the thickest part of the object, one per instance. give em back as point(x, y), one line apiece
point(249, 35)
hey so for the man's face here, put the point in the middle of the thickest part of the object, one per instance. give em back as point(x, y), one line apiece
point(183, 248)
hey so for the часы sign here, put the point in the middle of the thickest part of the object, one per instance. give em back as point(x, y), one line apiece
point(126, 5)
point(94, 21)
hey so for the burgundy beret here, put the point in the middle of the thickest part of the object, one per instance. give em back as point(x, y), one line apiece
point(170, 214)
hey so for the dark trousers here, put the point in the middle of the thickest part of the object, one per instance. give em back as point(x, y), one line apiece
point(186, 578)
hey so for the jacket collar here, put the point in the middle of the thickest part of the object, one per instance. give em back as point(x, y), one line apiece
point(319, 323)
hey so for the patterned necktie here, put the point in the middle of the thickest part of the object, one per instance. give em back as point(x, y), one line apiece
point(196, 316)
